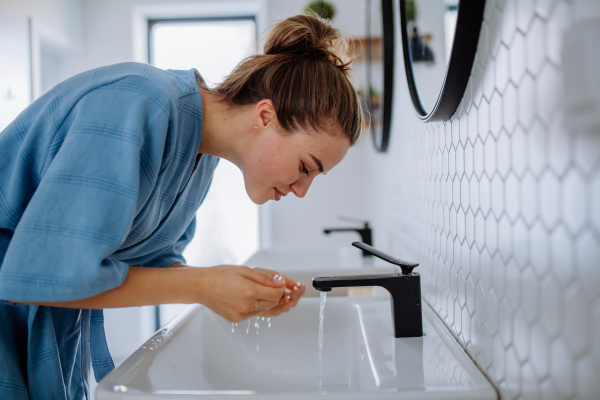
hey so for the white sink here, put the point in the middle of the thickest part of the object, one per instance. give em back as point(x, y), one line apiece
point(302, 258)
point(198, 356)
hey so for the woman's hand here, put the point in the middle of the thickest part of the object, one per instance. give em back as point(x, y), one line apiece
point(293, 292)
point(232, 291)
point(239, 292)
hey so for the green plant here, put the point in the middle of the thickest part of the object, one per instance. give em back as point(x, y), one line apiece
point(374, 92)
point(323, 9)
point(412, 12)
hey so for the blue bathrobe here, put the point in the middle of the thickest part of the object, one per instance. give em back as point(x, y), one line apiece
point(98, 174)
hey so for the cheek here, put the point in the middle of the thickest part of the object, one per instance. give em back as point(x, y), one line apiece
point(259, 172)
point(272, 170)
point(269, 166)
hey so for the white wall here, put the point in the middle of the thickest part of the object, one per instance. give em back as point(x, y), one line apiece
point(57, 24)
point(500, 207)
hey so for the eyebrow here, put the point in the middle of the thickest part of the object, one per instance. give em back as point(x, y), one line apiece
point(316, 160)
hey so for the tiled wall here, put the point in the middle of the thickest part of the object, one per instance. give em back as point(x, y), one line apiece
point(501, 206)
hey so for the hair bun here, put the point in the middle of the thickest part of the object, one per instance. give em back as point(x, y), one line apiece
point(306, 36)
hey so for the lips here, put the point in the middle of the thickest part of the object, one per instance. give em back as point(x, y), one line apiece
point(278, 194)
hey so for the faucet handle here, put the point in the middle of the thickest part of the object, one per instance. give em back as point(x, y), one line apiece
point(407, 267)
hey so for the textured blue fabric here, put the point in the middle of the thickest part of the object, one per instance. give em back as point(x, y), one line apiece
point(98, 174)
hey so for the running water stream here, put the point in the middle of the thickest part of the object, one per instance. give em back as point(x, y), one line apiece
point(321, 316)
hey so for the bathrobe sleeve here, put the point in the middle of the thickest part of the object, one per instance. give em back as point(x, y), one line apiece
point(172, 255)
point(84, 205)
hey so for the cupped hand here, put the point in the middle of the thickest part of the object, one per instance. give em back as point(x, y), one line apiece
point(239, 292)
point(293, 292)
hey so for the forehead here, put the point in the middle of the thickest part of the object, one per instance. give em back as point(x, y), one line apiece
point(329, 148)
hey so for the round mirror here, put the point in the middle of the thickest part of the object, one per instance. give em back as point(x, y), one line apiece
point(374, 65)
point(439, 40)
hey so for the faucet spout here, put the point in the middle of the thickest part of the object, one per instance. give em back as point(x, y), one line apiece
point(404, 288)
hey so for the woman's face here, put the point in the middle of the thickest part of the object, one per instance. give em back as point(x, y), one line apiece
point(277, 164)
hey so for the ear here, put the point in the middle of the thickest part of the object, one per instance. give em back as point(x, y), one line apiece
point(264, 114)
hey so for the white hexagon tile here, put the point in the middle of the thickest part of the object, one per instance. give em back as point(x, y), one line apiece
point(501, 206)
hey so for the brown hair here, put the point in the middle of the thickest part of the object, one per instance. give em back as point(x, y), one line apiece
point(304, 72)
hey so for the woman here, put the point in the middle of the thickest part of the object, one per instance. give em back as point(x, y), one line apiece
point(101, 178)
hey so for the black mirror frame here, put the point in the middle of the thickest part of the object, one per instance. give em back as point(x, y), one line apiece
point(458, 71)
point(381, 140)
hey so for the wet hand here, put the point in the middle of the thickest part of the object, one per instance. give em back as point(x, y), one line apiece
point(293, 292)
point(239, 292)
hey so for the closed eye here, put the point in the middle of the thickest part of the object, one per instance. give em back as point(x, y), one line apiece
point(303, 169)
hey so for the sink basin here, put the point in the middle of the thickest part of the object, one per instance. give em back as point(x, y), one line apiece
point(302, 258)
point(197, 355)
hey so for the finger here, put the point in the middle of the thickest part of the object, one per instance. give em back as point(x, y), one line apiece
point(296, 292)
point(269, 272)
point(296, 297)
point(262, 305)
point(261, 289)
point(257, 276)
point(259, 312)
point(284, 305)
point(290, 283)
point(275, 311)
point(245, 316)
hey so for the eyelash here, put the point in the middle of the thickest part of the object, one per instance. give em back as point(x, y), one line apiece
point(304, 170)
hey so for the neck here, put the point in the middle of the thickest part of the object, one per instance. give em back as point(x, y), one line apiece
point(224, 128)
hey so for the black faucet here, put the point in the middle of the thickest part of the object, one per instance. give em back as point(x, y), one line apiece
point(405, 290)
point(366, 234)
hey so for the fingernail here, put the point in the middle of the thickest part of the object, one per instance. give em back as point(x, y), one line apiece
point(277, 279)
point(295, 287)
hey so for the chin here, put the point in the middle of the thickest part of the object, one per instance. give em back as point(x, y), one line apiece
point(257, 197)
point(259, 201)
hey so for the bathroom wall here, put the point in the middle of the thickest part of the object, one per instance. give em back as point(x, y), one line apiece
point(34, 33)
point(501, 206)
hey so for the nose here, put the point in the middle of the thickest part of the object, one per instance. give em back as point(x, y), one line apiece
point(300, 187)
